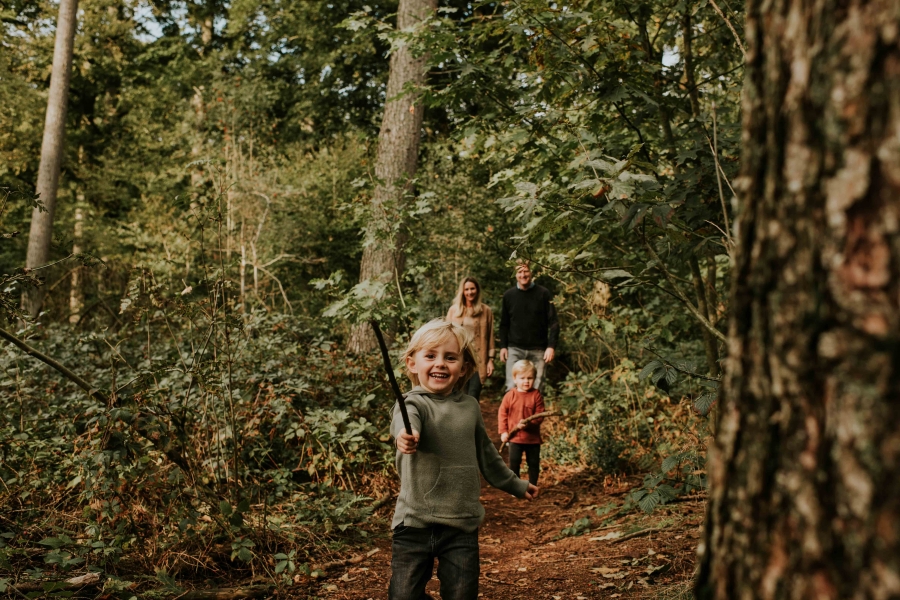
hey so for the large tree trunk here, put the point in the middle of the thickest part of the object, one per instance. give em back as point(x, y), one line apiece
point(398, 153)
point(51, 150)
point(805, 469)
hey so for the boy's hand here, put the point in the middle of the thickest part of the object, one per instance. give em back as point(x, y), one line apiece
point(504, 437)
point(407, 444)
point(532, 492)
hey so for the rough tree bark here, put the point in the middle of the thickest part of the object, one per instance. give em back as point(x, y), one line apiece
point(805, 468)
point(398, 153)
point(41, 232)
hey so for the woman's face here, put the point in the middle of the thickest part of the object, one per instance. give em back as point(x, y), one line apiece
point(470, 292)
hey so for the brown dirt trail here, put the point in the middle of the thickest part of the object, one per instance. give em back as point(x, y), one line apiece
point(523, 555)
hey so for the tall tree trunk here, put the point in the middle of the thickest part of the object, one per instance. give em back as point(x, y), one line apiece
point(76, 293)
point(805, 468)
point(41, 232)
point(398, 153)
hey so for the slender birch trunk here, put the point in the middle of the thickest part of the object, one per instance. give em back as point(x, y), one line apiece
point(76, 293)
point(41, 232)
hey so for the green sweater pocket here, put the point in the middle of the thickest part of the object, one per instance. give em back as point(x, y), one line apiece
point(455, 493)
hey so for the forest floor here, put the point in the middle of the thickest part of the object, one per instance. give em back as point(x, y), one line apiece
point(524, 555)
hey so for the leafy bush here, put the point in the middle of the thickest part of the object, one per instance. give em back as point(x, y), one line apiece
point(266, 441)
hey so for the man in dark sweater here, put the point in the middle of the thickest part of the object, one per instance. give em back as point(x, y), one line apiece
point(529, 328)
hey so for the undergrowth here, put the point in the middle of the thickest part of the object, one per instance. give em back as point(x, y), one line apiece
point(206, 461)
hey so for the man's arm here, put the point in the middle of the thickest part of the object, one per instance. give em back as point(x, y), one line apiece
point(552, 323)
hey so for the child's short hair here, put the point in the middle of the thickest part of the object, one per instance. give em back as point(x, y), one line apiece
point(437, 332)
point(522, 366)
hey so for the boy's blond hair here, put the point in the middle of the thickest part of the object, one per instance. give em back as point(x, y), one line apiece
point(524, 365)
point(437, 332)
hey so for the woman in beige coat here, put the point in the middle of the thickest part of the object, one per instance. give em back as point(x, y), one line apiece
point(468, 310)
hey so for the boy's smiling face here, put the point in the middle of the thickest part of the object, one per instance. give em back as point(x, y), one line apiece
point(438, 366)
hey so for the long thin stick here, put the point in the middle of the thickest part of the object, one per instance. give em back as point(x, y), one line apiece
point(390, 373)
point(517, 429)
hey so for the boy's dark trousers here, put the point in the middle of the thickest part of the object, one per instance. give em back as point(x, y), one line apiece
point(532, 457)
point(414, 550)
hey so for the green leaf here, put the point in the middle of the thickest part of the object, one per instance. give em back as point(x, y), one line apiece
point(666, 493)
point(649, 502)
point(670, 462)
point(615, 274)
point(704, 403)
point(225, 508)
point(650, 368)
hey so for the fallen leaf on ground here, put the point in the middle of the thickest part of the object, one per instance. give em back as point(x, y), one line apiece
point(609, 536)
point(609, 573)
point(654, 570)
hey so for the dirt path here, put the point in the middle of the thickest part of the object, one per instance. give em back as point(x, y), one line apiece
point(523, 555)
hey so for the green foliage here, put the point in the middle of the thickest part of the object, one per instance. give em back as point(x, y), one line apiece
point(681, 473)
point(222, 155)
point(579, 527)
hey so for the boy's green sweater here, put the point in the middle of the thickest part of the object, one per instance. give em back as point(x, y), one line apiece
point(439, 484)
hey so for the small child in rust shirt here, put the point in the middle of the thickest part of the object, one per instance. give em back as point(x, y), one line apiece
point(518, 404)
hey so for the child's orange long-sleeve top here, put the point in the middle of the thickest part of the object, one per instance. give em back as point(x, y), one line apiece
point(516, 406)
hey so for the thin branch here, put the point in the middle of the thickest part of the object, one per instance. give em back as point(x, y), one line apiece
point(677, 368)
point(517, 429)
point(680, 295)
point(280, 287)
point(70, 375)
point(737, 38)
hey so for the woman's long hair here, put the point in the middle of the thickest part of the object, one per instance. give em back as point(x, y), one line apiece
point(459, 303)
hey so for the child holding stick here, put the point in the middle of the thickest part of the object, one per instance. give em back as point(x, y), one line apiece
point(438, 512)
point(518, 404)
